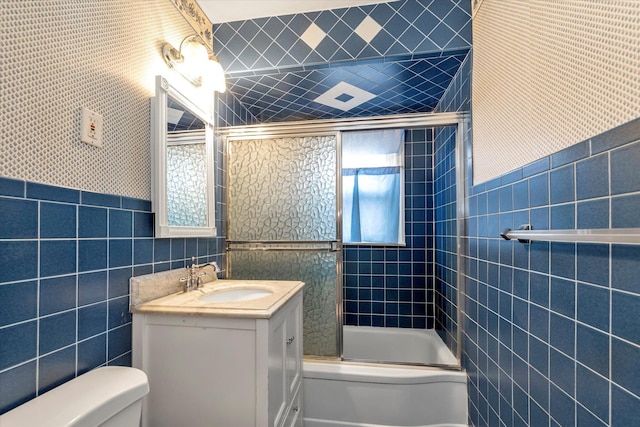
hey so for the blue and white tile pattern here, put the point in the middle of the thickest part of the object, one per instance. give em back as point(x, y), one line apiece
point(409, 86)
point(407, 27)
point(404, 53)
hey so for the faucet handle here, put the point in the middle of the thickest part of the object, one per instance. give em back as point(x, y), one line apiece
point(186, 287)
point(215, 267)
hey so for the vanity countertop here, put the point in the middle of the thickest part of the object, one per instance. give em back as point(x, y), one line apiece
point(188, 303)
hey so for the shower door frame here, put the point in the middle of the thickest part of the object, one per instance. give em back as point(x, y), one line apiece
point(303, 246)
point(461, 122)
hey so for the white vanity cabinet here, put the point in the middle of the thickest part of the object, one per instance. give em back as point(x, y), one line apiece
point(285, 365)
point(223, 371)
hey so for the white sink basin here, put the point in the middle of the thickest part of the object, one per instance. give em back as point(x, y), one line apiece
point(235, 294)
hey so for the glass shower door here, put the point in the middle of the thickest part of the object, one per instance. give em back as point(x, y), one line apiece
point(282, 225)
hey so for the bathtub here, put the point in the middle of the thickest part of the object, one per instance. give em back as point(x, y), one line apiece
point(354, 394)
point(413, 346)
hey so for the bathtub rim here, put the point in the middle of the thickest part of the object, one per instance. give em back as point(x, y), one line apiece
point(348, 370)
point(457, 366)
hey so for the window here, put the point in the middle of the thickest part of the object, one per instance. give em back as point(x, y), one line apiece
point(373, 187)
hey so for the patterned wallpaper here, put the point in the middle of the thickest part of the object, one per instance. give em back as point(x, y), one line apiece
point(57, 57)
point(81, 246)
point(523, 54)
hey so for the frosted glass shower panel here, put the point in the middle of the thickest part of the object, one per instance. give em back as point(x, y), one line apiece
point(318, 271)
point(282, 189)
point(187, 184)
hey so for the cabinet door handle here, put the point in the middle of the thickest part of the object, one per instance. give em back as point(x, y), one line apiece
point(295, 409)
point(290, 340)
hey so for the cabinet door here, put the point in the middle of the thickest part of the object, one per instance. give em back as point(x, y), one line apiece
point(285, 362)
point(277, 387)
point(294, 417)
point(293, 361)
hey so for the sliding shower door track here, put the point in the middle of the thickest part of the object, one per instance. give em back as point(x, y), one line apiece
point(298, 245)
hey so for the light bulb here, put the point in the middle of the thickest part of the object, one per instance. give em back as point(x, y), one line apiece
point(194, 63)
point(195, 54)
point(215, 75)
point(194, 59)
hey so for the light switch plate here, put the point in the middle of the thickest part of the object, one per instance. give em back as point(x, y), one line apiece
point(91, 128)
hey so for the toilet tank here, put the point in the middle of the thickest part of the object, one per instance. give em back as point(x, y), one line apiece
point(107, 396)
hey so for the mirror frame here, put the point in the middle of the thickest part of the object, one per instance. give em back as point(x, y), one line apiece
point(164, 90)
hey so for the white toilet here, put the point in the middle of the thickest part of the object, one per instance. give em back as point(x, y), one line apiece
point(110, 396)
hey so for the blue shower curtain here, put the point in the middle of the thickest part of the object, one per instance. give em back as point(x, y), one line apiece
point(372, 184)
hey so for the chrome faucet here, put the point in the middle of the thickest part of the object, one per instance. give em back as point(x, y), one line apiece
point(194, 279)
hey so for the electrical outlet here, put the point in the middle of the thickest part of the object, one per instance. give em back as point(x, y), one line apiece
point(91, 128)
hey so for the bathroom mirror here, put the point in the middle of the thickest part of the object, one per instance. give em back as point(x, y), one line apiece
point(182, 185)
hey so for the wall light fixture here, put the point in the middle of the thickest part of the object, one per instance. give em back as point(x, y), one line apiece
point(196, 63)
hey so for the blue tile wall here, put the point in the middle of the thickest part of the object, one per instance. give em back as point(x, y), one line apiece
point(231, 112)
point(445, 235)
point(457, 96)
point(67, 256)
point(393, 286)
point(64, 282)
point(566, 313)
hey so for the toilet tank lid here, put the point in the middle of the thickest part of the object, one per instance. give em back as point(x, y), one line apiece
point(87, 400)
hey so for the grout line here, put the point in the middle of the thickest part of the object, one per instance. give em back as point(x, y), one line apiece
point(610, 380)
point(38, 304)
